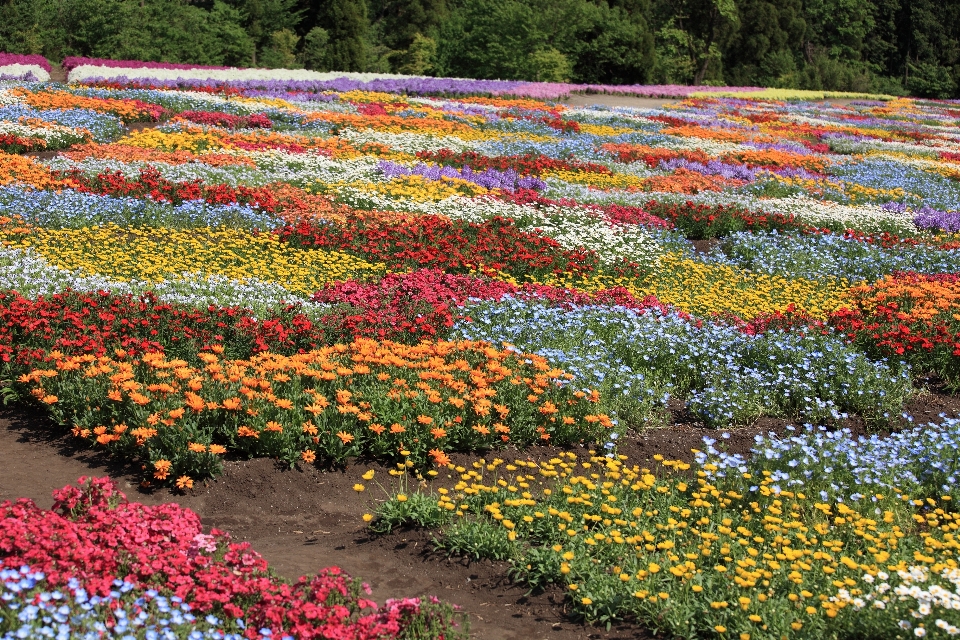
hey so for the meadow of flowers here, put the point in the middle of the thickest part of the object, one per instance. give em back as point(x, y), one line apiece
point(403, 269)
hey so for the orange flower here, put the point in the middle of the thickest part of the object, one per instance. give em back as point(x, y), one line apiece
point(308, 456)
point(283, 403)
point(196, 447)
point(162, 468)
point(396, 428)
point(438, 433)
point(177, 413)
point(309, 429)
point(247, 432)
point(501, 428)
point(548, 408)
point(274, 426)
point(184, 482)
point(482, 430)
point(345, 438)
point(49, 399)
point(439, 457)
point(139, 398)
point(194, 401)
point(377, 428)
point(424, 419)
point(217, 449)
point(231, 403)
point(142, 434)
point(317, 407)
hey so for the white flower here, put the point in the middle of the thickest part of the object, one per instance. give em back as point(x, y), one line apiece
point(919, 632)
point(22, 69)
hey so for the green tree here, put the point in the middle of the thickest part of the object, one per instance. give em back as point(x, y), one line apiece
point(348, 26)
point(399, 22)
point(262, 18)
point(281, 53)
point(549, 65)
point(315, 45)
point(490, 39)
point(420, 57)
point(764, 48)
point(613, 47)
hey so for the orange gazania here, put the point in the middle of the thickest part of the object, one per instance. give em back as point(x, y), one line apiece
point(440, 458)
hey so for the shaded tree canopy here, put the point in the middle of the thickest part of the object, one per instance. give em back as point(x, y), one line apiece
point(891, 46)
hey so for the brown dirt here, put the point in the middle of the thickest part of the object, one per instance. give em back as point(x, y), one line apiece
point(57, 73)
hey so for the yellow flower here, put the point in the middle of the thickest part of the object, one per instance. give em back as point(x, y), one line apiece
point(358, 487)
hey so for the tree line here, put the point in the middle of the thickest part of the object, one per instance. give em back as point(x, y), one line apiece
point(888, 46)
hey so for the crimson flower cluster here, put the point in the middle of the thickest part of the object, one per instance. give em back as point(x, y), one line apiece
point(95, 535)
point(99, 323)
point(453, 246)
point(229, 121)
point(150, 183)
point(11, 143)
point(424, 304)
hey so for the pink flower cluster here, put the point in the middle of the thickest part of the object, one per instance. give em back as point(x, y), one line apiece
point(72, 62)
point(424, 303)
point(230, 121)
point(95, 535)
point(16, 58)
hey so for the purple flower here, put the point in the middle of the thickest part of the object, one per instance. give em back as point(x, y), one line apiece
point(928, 218)
point(508, 180)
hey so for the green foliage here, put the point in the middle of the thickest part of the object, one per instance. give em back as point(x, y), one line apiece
point(928, 80)
point(315, 46)
point(281, 54)
point(348, 27)
point(420, 57)
point(549, 65)
point(879, 46)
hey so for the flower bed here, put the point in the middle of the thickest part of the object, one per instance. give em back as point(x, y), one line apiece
point(97, 560)
point(411, 269)
point(14, 66)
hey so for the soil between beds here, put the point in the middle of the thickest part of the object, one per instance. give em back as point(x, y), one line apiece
point(307, 519)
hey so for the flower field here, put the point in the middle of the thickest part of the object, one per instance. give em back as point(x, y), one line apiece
point(220, 265)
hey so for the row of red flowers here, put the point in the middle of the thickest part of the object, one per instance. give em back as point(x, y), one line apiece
point(402, 307)
point(95, 535)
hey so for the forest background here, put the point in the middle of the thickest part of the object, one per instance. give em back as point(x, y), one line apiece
point(883, 46)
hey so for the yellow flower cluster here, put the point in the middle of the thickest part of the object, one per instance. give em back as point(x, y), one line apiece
point(599, 180)
point(704, 289)
point(154, 254)
point(193, 140)
point(413, 187)
point(693, 553)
